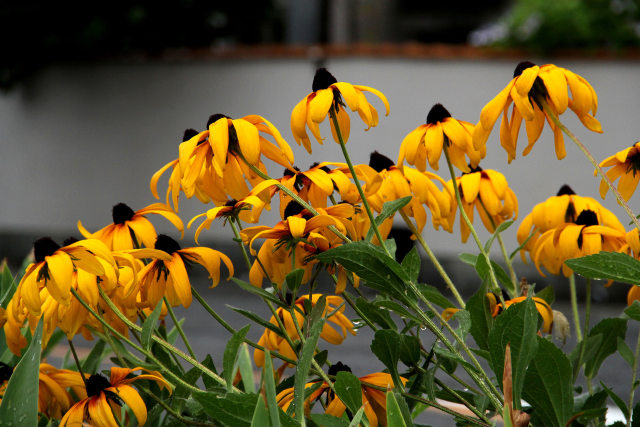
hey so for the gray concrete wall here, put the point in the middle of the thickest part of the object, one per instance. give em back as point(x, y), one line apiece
point(77, 140)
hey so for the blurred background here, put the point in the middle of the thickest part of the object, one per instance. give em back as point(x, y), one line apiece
point(95, 97)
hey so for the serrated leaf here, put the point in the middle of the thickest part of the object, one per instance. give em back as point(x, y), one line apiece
point(349, 390)
point(394, 415)
point(499, 229)
point(617, 400)
point(412, 264)
point(386, 347)
point(611, 329)
point(388, 210)
point(633, 311)
point(302, 370)
point(148, 326)
point(230, 355)
point(234, 409)
point(19, 405)
point(518, 326)
point(548, 386)
point(370, 263)
point(269, 386)
point(607, 265)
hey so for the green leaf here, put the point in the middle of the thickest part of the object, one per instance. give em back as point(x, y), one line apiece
point(148, 326)
point(633, 311)
point(245, 368)
point(517, 325)
point(355, 422)
point(259, 320)
point(499, 229)
point(318, 309)
point(409, 350)
point(57, 336)
point(468, 258)
point(327, 420)
point(181, 393)
point(234, 409)
point(386, 347)
point(370, 263)
point(464, 321)
point(607, 265)
point(293, 280)
point(481, 319)
point(302, 370)
point(19, 405)
point(388, 210)
point(591, 345)
point(92, 362)
point(394, 415)
point(635, 417)
point(432, 294)
point(349, 390)
point(230, 355)
point(617, 400)
point(548, 386)
point(374, 314)
point(269, 385)
point(8, 286)
point(547, 294)
point(412, 264)
point(260, 414)
point(209, 383)
point(398, 309)
point(483, 272)
point(257, 291)
point(610, 329)
point(625, 352)
point(444, 353)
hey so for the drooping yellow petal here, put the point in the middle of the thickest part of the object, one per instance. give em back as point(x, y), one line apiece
point(133, 400)
point(349, 94)
point(320, 104)
point(219, 140)
point(296, 226)
point(180, 278)
point(377, 93)
point(248, 140)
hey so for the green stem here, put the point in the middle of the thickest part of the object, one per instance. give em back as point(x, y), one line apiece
point(170, 410)
point(633, 379)
point(434, 259)
point(587, 315)
point(515, 292)
point(492, 275)
point(178, 327)
point(358, 311)
point(574, 306)
point(356, 180)
point(462, 400)
point(75, 357)
point(543, 102)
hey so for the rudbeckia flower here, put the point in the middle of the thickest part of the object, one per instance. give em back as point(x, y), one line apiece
point(373, 399)
point(633, 294)
point(487, 191)
point(542, 306)
point(54, 267)
point(102, 398)
point(565, 207)
point(329, 93)
point(536, 83)
point(273, 341)
point(625, 165)
point(169, 277)
point(574, 240)
point(426, 142)
point(131, 229)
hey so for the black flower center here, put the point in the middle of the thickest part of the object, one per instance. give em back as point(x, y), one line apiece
point(215, 117)
point(338, 367)
point(437, 114)
point(293, 208)
point(473, 170)
point(587, 217)
point(188, 134)
point(166, 244)
point(565, 189)
point(289, 172)
point(324, 168)
point(5, 372)
point(43, 247)
point(322, 80)
point(96, 383)
point(521, 67)
point(380, 162)
point(634, 163)
point(122, 213)
point(231, 203)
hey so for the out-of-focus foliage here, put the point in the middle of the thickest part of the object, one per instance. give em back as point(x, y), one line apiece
point(544, 26)
point(37, 33)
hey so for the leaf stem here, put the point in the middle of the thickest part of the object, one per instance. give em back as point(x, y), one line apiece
point(574, 306)
point(179, 327)
point(633, 379)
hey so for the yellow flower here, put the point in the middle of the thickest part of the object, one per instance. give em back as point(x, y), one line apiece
point(169, 277)
point(102, 398)
point(131, 229)
point(274, 342)
point(329, 93)
point(542, 306)
point(633, 294)
point(625, 165)
point(532, 82)
point(373, 399)
point(573, 240)
point(487, 191)
point(563, 208)
point(426, 142)
point(54, 267)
